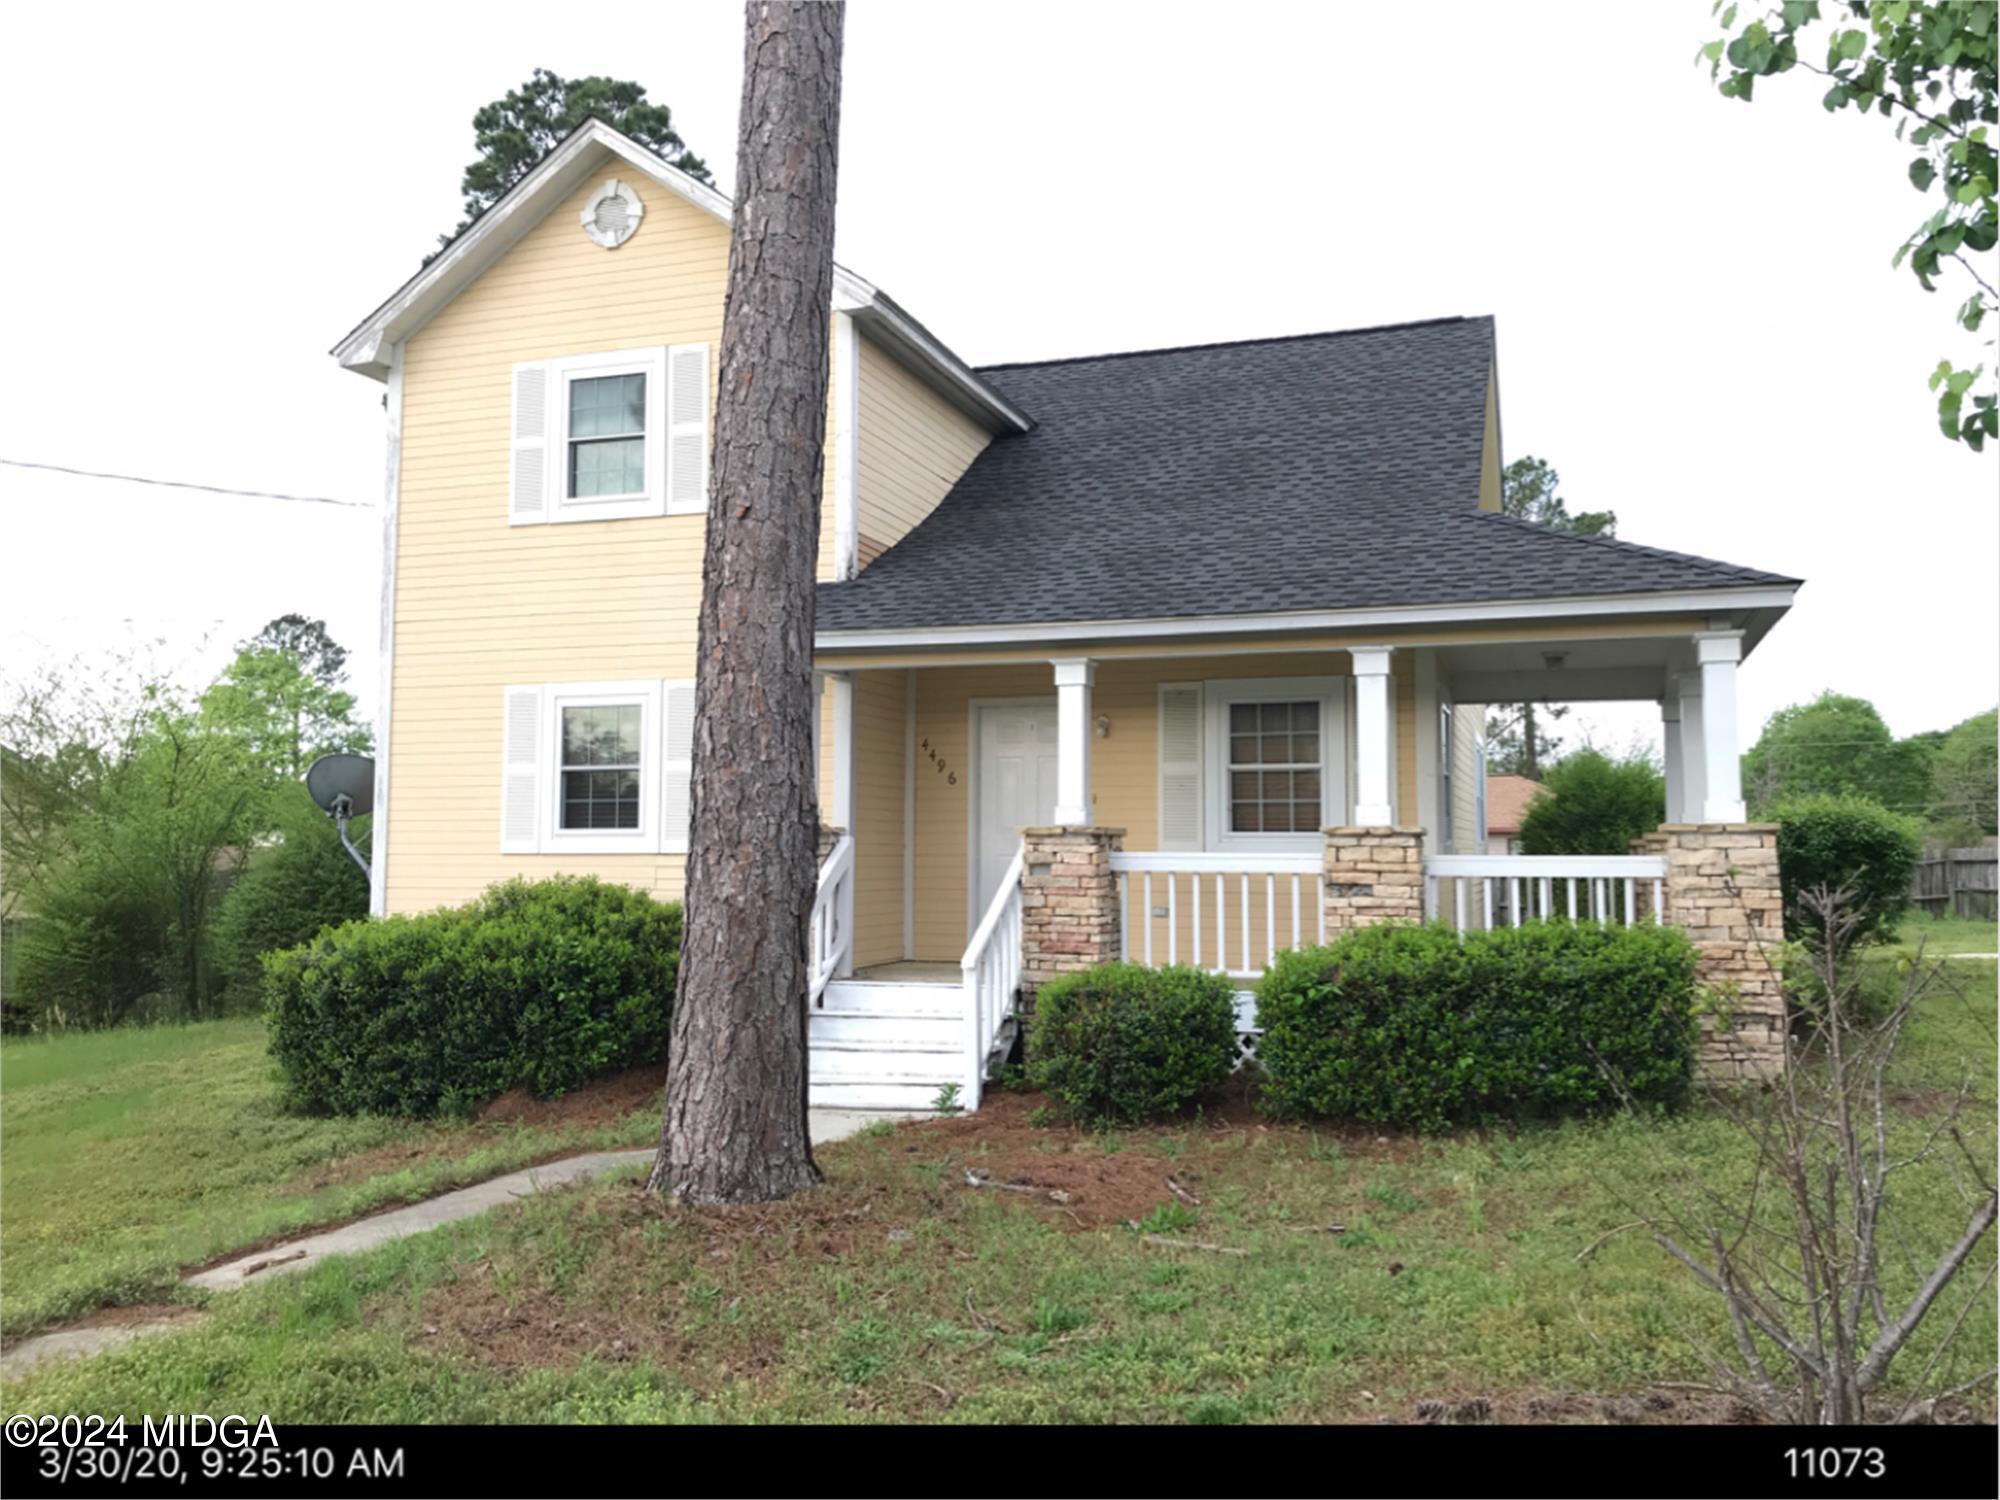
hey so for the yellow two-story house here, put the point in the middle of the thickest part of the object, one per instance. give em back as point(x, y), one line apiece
point(1196, 606)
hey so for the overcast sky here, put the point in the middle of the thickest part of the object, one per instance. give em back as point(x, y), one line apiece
point(1698, 324)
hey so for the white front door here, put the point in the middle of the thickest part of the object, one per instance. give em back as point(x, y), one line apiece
point(1017, 788)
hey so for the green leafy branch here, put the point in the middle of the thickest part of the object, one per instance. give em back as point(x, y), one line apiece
point(1931, 66)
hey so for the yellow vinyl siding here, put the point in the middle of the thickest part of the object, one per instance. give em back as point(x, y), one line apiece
point(1467, 721)
point(879, 756)
point(1403, 670)
point(913, 446)
point(1489, 450)
point(481, 604)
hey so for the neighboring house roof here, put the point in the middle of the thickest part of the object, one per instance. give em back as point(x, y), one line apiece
point(580, 155)
point(1325, 472)
point(1507, 798)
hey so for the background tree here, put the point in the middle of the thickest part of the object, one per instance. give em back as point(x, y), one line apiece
point(516, 131)
point(1518, 737)
point(125, 917)
point(1930, 68)
point(735, 1120)
point(282, 698)
point(291, 888)
point(1965, 781)
point(1592, 804)
point(1835, 746)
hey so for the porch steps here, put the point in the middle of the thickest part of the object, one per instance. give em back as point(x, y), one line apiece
point(876, 1044)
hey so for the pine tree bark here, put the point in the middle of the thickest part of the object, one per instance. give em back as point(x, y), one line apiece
point(735, 1125)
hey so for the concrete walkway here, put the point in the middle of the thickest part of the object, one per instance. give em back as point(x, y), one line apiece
point(827, 1125)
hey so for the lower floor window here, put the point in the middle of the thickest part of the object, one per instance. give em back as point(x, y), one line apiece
point(1274, 767)
point(601, 757)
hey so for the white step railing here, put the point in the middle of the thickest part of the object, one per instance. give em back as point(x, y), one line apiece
point(1488, 890)
point(991, 974)
point(1229, 913)
point(831, 927)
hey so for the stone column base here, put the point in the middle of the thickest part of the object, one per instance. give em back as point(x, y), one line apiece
point(1372, 874)
point(1069, 902)
point(1722, 890)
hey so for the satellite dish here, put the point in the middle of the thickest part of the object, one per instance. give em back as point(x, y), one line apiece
point(334, 777)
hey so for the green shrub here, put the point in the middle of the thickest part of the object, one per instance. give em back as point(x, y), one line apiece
point(1407, 1025)
point(287, 893)
point(1851, 843)
point(1122, 1043)
point(1592, 804)
point(535, 985)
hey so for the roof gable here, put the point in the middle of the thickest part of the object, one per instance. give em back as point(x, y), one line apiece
point(584, 152)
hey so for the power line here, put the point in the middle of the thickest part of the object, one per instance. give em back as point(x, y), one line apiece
point(184, 484)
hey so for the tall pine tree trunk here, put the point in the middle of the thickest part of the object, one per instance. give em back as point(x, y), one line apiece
point(735, 1127)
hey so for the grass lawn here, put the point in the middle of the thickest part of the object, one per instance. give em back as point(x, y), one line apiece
point(1495, 1267)
point(128, 1155)
point(1943, 935)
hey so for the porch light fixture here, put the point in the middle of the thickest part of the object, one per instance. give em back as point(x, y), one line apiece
point(1103, 727)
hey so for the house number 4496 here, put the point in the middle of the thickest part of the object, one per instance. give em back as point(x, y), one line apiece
point(940, 764)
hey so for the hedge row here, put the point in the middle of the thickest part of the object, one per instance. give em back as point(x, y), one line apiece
point(1421, 1027)
point(536, 985)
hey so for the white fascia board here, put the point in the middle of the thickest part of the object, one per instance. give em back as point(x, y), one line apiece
point(554, 178)
point(1770, 597)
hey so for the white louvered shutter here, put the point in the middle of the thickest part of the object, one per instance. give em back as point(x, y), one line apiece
point(528, 475)
point(687, 429)
point(1180, 765)
point(676, 764)
point(520, 791)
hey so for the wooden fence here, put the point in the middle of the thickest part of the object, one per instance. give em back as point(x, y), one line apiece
point(1957, 883)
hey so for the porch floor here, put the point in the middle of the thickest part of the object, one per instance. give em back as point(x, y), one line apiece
point(910, 971)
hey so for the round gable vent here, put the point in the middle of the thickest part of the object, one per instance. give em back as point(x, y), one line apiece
point(613, 214)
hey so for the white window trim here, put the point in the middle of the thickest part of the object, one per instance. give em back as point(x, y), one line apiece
point(557, 696)
point(1218, 694)
point(652, 501)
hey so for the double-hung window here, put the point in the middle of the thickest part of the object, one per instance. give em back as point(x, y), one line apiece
point(1275, 767)
point(599, 437)
point(607, 438)
point(1269, 772)
point(600, 758)
point(596, 767)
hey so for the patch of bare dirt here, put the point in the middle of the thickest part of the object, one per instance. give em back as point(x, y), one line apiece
point(602, 1101)
point(1538, 1406)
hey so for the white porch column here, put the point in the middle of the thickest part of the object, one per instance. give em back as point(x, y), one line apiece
point(1372, 728)
point(840, 805)
point(1670, 755)
point(1074, 677)
point(1719, 651)
point(1694, 782)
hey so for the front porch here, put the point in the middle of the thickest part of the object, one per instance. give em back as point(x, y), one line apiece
point(1000, 821)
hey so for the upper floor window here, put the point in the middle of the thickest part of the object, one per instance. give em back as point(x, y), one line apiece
point(597, 437)
point(607, 437)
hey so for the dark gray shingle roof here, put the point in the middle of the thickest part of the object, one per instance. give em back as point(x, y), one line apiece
point(1333, 471)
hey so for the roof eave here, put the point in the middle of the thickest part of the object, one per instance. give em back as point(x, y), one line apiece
point(1756, 606)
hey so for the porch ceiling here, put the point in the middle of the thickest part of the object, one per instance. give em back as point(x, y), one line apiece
point(1582, 670)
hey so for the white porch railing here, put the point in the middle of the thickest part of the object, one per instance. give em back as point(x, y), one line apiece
point(1229, 913)
point(831, 926)
point(991, 974)
point(1488, 890)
